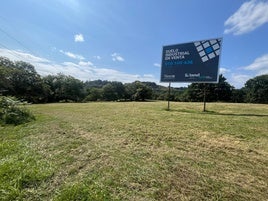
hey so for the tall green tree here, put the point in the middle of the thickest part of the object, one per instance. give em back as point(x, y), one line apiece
point(21, 80)
point(138, 91)
point(28, 83)
point(93, 94)
point(6, 62)
point(238, 95)
point(113, 91)
point(64, 88)
point(223, 90)
point(6, 70)
point(256, 89)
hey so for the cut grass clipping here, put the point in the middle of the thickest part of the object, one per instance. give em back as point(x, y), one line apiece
point(137, 151)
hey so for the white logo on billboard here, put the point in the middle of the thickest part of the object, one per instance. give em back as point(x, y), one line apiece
point(208, 49)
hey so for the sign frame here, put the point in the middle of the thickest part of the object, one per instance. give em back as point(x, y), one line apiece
point(191, 62)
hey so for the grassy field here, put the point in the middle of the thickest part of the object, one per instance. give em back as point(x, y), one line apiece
point(137, 151)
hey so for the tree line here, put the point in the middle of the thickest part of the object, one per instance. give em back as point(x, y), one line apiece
point(20, 79)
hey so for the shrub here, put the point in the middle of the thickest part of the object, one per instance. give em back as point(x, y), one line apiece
point(12, 112)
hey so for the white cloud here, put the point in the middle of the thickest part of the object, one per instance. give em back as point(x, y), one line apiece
point(157, 65)
point(82, 70)
point(72, 55)
point(148, 75)
point(224, 70)
point(117, 57)
point(19, 55)
point(239, 80)
point(79, 38)
point(97, 57)
point(248, 17)
point(259, 65)
point(83, 63)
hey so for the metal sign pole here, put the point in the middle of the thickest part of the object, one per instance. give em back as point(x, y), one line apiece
point(169, 95)
point(204, 98)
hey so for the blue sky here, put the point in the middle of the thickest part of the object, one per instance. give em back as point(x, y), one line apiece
point(122, 40)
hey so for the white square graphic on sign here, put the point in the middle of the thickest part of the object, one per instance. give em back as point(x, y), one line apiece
point(212, 42)
point(199, 48)
point(205, 58)
point(202, 53)
point(211, 55)
point(197, 43)
point(206, 44)
point(216, 46)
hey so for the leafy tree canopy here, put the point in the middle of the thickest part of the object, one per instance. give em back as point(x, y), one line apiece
point(257, 89)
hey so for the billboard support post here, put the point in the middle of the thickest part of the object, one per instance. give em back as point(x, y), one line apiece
point(169, 96)
point(204, 98)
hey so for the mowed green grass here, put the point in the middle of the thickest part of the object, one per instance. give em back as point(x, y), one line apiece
point(137, 151)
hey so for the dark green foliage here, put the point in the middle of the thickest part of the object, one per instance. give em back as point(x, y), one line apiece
point(20, 79)
point(27, 83)
point(6, 71)
point(64, 88)
point(113, 91)
point(94, 94)
point(95, 83)
point(257, 89)
point(5, 83)
point(138, 91)
point(238, 95)
point(11, 112)
point(223, 90)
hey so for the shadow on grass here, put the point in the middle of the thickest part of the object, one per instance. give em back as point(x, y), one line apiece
point(236, 114)
point(208, 112)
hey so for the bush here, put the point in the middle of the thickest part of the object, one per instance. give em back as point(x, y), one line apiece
point(12, 112)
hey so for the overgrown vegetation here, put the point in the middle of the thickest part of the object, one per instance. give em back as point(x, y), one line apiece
point(12, 112)
point(20, 79)
point(137, 151)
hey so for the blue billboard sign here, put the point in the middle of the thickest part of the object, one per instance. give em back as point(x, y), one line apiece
point(191, 62)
